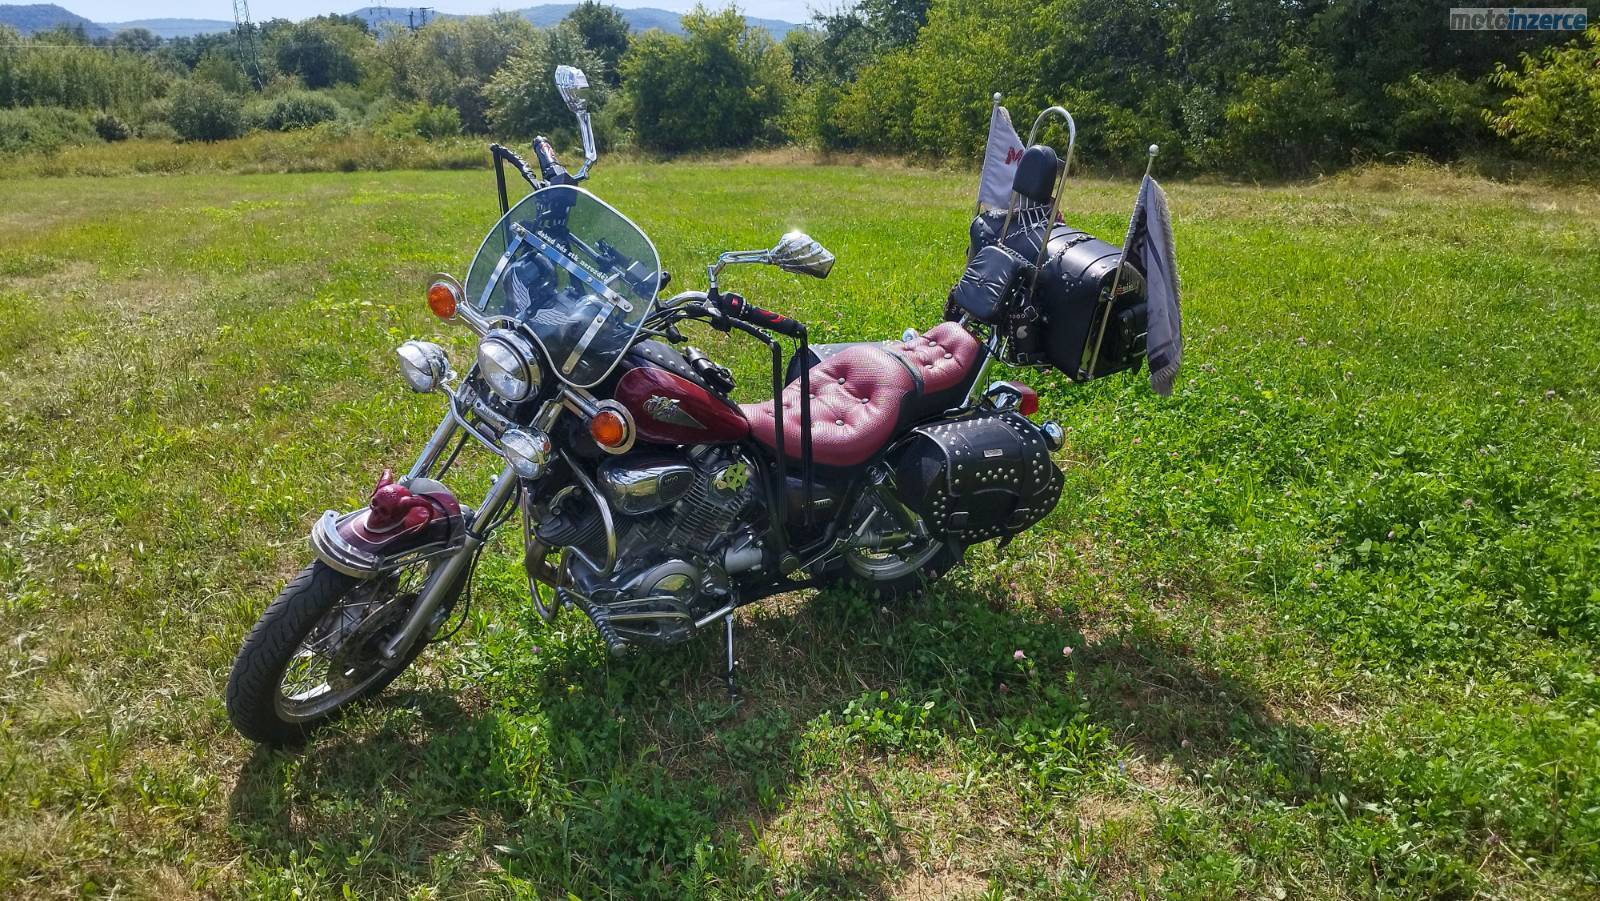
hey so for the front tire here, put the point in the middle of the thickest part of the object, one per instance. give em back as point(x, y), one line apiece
point(267, 702)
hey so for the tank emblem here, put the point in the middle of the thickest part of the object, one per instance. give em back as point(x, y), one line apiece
point(670, 411)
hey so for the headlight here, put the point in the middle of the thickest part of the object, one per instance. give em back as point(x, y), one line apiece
point(509, 365)
point(424, 365)
point(527, 450)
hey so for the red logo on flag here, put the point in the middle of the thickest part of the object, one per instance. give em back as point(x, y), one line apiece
point(1013, 155)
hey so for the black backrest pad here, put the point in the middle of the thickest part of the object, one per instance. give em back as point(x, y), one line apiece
point(1036, 173)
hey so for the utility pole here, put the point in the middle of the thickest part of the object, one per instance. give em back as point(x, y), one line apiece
point(244, 34)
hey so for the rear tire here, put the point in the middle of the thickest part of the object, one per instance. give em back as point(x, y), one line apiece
point(895, 577)
point(256, 705)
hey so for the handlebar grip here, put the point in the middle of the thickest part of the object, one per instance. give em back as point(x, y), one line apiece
point(738, 308)
point(553, 171)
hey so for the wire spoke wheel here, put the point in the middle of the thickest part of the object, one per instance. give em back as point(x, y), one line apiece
point(893, 569)
point(882, 565)
point(341, 656)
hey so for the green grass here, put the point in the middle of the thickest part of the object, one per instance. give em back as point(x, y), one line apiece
point(1333, 608)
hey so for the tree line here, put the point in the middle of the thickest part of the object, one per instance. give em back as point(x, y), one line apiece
point(1266, 88)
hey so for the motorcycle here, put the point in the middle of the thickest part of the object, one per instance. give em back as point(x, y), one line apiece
point(652, 502)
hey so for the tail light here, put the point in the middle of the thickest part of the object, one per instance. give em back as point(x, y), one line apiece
point(1012, 396)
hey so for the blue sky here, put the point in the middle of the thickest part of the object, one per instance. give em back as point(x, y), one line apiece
point(122, 10)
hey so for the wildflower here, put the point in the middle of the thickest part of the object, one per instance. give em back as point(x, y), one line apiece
point(1005, 689)
point(1066, 651)
point(535, 649)
point(1391, 534)
point(1019, 655)
point(1184, 743)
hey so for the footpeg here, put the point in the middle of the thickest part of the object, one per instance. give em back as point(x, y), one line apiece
point(600, 618)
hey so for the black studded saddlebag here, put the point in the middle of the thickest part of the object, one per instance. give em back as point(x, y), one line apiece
point(988, 476)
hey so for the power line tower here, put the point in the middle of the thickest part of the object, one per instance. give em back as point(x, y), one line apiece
point(416, 13)
point(245, 37)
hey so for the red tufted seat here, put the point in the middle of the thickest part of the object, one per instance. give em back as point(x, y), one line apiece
point(856, 396)
point(941, 356)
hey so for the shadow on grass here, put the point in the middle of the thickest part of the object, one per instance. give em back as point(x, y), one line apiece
point(561, 770)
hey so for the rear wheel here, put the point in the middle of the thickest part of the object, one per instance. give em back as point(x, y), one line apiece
point(316, 650)
point(901, 572)
point(891, 569)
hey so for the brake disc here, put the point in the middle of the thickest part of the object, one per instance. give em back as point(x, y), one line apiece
point(356, 656)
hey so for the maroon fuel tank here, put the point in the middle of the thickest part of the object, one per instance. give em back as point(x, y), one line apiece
point(670, 409)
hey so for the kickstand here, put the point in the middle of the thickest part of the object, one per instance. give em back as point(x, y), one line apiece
point(733, 690)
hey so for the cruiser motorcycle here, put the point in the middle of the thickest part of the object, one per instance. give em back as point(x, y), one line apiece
point(650, 501)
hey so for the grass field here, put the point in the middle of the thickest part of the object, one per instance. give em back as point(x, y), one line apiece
point(1323, 624)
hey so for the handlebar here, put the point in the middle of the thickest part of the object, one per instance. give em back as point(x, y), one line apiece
point(738, 308)
point(552, 170)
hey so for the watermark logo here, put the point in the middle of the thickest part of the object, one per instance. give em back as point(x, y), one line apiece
point(1512, 18)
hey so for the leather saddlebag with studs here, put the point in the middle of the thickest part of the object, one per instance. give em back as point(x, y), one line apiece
point(981, 477)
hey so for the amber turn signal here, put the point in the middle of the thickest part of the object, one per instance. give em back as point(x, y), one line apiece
point(608, 429)
point(443, 297)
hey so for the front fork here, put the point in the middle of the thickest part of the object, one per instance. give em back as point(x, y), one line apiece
point(500, 493)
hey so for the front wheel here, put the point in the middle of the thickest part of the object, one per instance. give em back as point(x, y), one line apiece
point(315, 650)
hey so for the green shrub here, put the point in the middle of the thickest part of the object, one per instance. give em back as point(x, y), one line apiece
point(722, 85)
point(300, 109)
point(523, 100)
point(1554, 109)
point(1439, 115)
point(55, 70)
point(43, 129)
point(158, 130)
point(451, 60)
point(423, 120)
point(110, 127)
point(201, 111)
point(1292, 123)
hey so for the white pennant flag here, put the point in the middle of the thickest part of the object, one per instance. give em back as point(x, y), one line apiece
point(1000, 159)
point(1150, 242)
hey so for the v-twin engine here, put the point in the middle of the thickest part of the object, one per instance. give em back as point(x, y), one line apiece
point(684, 530)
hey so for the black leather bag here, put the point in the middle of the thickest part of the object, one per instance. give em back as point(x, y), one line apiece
point(1058, 323)
point(981, 477)
point(991, 284)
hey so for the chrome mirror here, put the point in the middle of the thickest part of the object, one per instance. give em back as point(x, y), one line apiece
point(799, 252)
point(794, 252)
point(574, 88)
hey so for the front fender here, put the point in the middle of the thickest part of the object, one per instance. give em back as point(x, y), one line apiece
point(348, 544)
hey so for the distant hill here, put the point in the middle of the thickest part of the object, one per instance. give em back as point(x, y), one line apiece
point(548, 14)
point(643, 18)
point(45, 16)
point(375, 16)
point(172, 28)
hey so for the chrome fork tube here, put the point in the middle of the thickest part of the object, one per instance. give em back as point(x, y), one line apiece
point(434, 448)
point(503, 489)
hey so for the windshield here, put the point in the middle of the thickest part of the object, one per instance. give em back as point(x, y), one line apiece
point(575, 272)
